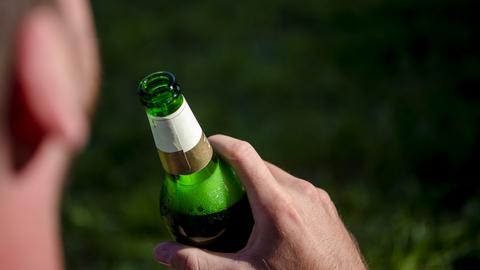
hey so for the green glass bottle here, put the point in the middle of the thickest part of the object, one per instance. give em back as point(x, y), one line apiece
point(201, 200)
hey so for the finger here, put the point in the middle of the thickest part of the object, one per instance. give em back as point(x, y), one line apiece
point(183, 257)
point(261, 186)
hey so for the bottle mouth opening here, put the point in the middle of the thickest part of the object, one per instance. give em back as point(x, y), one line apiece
point(159, 86)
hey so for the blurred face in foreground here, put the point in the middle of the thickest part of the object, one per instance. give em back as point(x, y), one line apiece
point(54, 84)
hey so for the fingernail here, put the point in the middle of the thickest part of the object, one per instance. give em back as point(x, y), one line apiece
point(163, 254)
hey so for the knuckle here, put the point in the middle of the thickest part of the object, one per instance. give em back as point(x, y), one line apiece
point(241, 150)
point(307, 188)
point(324, 197)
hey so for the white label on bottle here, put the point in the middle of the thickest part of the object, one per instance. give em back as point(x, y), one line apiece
point(178, 131)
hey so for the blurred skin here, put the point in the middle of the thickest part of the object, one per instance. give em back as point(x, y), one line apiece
point(55, 83)
point(56, 79)
point(296, 224)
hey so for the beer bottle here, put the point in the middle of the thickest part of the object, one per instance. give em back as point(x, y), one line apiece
point(201, 200)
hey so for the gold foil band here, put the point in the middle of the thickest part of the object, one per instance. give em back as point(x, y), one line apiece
point(187, 162)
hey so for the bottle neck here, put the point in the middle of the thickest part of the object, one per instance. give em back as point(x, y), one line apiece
point(181, 144)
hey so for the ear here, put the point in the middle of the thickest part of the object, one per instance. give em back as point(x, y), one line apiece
point(46, 90)
point(47, 125)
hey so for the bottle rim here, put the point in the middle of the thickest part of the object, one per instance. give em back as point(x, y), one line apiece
point(155, 84)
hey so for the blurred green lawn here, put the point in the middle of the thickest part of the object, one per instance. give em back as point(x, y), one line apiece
point(375, 101)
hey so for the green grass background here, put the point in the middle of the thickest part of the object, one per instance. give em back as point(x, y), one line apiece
point(375, 101)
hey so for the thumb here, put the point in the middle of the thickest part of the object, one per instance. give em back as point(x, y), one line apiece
point(183, 257)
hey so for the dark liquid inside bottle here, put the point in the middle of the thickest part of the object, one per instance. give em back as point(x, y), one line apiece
point(225, 231)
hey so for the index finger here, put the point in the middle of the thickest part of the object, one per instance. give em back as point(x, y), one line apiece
point(262, 188)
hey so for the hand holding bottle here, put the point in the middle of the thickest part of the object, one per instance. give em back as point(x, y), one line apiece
point(296, 224)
